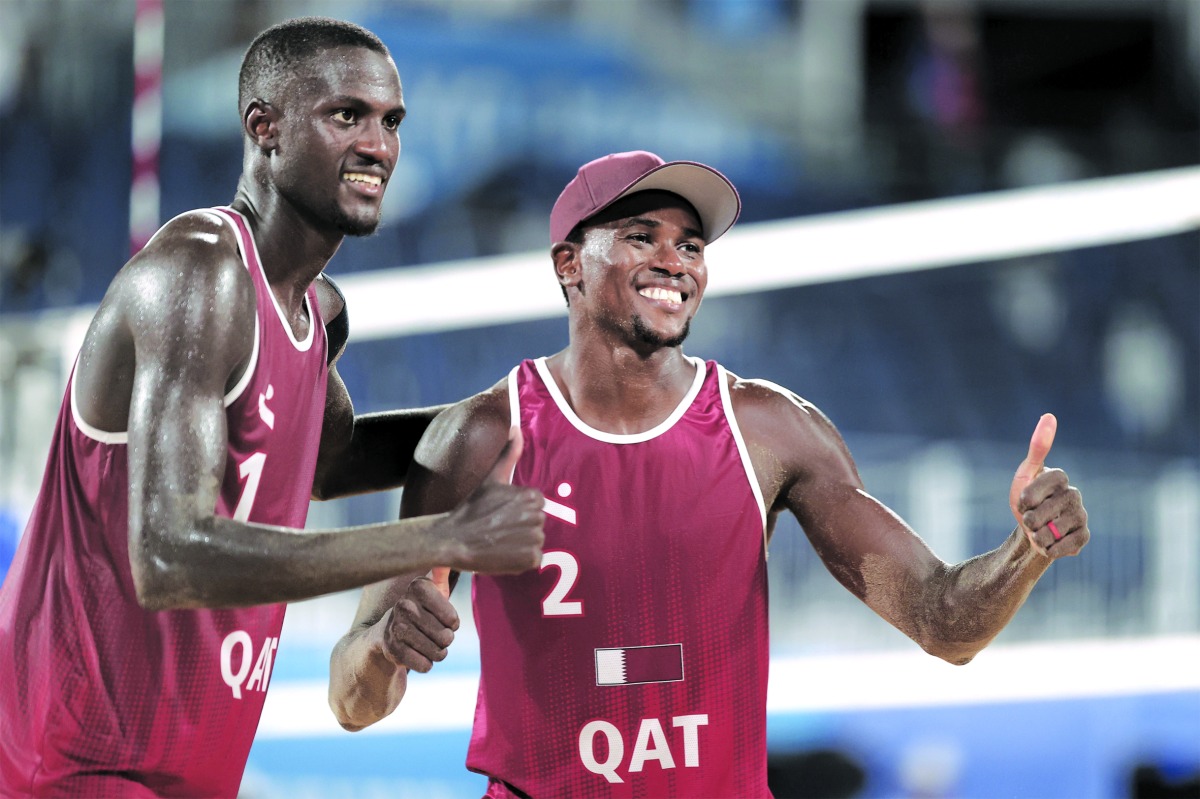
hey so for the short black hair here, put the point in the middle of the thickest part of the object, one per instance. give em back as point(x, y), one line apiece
point(275, 52)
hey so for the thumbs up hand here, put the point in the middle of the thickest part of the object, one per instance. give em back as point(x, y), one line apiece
point(1048, 509)
point(498, 528)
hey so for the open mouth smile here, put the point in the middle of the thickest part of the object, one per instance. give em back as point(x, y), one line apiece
point(673, 296)
point(371, 183)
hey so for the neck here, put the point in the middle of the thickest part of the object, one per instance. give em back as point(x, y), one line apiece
point(292, 251)
point(621, 391)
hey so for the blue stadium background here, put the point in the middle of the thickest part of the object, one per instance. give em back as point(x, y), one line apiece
point(809, 109)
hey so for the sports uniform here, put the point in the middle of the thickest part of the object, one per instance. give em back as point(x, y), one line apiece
point(634, 662)
point(101, 697)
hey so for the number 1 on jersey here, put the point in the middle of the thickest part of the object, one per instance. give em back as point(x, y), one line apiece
point(251, 471)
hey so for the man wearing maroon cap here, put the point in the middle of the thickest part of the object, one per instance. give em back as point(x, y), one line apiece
point(633, 662)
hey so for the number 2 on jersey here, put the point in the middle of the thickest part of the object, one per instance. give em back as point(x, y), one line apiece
point(556, 602)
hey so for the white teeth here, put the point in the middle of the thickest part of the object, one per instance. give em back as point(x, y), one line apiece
point(359, 177)
point(666, 295)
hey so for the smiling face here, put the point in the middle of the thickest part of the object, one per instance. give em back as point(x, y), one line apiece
point(639, 275)
point(338, 138)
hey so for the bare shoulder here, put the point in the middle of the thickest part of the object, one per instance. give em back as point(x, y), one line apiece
point(329, 297)
point(193, 259)
point(762, 403)
point(471, 431)
point(457, 452)
point(185, 292)
point(785, 433)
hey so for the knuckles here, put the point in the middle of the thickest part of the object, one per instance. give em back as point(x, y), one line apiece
point(1048, 482)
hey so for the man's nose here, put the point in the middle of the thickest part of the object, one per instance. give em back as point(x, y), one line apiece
point(668, 259)
point(377, 143)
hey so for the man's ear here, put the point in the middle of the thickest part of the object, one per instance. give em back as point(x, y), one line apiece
point(260, 123)
point(565, 255)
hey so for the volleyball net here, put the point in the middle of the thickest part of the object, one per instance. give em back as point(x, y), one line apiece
point(827, 247)
point(1139, 577)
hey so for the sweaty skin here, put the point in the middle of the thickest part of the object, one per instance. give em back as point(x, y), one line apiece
point(633, 286)
point(175, 332)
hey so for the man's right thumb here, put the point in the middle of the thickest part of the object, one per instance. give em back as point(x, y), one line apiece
point(506, 463)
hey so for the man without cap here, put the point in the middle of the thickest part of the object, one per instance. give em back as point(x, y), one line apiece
point(633, 662)
point(140, 620)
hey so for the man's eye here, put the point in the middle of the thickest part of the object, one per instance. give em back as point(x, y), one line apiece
point(344, 115)
point(391, 123)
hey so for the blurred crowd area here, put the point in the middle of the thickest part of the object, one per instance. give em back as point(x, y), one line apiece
point(810, 106)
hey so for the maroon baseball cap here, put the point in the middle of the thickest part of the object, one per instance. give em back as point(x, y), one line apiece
point(602, 182)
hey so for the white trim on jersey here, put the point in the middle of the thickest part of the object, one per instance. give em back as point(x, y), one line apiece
point(243, 381)
point(122, 437)
point(514, 402)
point(301, 346)
point(94, 433)
point(514, 408)
point(747, 464)
point(621, 438)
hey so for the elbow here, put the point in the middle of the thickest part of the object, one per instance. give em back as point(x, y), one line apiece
point(955, 658)
point(160, 583)
point(956, 653)
point(167, 553)
point(325, 487)
point(151, 587)
point(347, 720)
point(341, 711)
point(357, 701)
point(321, 491)
point(346, 724)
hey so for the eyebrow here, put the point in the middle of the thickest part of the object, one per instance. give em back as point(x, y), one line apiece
point(646, 221)
point(353, 101)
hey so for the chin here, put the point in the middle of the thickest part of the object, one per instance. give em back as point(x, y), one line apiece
point(347, 225)
point(357, 227)
point(359, 231)
point(660, 338)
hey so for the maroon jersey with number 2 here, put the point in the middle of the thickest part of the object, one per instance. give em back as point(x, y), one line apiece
point(99, 697)
point(633, 663)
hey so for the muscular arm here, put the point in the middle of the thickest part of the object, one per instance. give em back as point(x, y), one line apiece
point(175, 332)
point(951, 610)
point(369, 666)
point(365, 452)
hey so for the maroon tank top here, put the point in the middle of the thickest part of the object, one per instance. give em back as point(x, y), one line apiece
point(99, 697)
point(633, 663)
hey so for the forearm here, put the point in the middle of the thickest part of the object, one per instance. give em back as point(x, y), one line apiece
point(378, 454)
point(225, 563)
point(969, 603)
point(364, 686)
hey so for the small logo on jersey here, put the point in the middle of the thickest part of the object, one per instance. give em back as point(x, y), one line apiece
point(251, 674)
point(266, 413)
point(557, 509)
point(634, 665)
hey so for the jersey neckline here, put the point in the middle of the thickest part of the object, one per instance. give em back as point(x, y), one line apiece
point(662, 427)
point(301, 346)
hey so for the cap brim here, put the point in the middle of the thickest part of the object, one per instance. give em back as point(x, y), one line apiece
point(709, 192)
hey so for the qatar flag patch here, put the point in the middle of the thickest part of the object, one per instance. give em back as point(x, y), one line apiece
point(635, 665)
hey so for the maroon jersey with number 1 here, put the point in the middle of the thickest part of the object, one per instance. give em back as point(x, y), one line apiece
point(99, 697)
point(633, 663)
